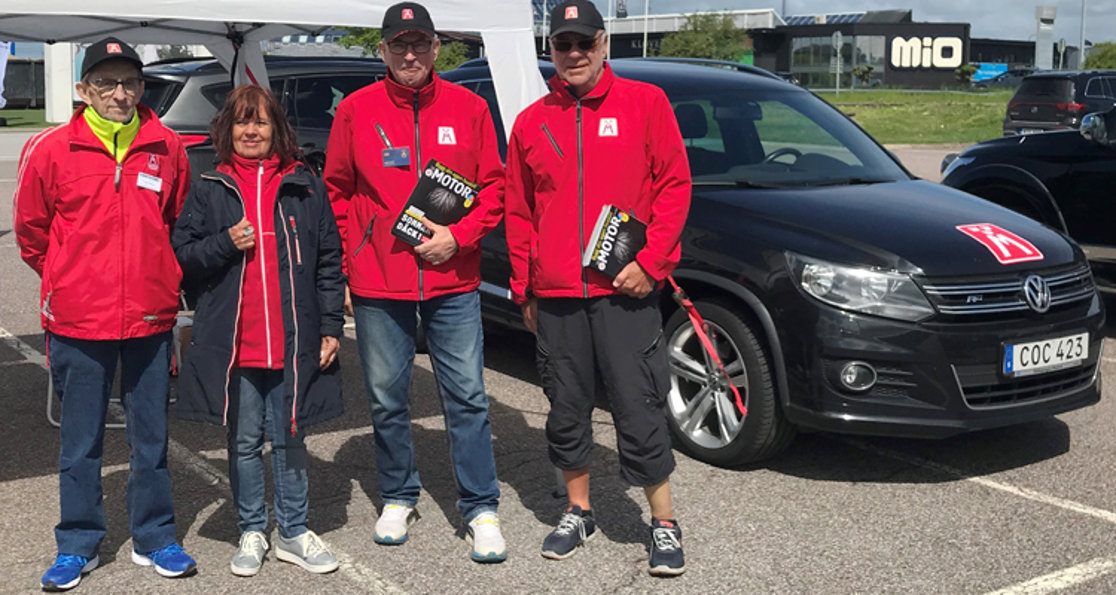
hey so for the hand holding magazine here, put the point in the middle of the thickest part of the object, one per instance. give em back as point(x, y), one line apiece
point(616, 239)
point(441, 195)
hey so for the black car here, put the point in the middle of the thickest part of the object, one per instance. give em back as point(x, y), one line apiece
point(1064, 179)
point(186, 96)
point(1058, 100)
point(841, 293)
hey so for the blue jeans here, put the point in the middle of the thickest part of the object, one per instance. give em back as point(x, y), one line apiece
point(258, 404)
point(386, 341)
point(83, 373)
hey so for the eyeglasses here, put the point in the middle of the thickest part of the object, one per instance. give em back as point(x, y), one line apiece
point(108, 86)
point(418, 47)
point(565, 45)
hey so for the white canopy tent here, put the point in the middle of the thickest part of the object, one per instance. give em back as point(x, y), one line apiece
point(232, 30)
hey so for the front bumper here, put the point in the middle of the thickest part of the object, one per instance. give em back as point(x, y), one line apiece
point(935, 379)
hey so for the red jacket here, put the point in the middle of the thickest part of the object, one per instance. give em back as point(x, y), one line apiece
point(99, 234)
point(260, 334)
point(440, 121)
point(567, 158)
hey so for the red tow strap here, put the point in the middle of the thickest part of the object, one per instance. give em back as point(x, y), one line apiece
point(701, 328)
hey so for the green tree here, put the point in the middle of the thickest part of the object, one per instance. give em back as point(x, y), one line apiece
point(368, 40)
point(706, 35)
point(1103, 55)
point(863, 73)
point(964, 73)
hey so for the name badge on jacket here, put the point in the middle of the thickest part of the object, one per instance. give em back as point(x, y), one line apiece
point(146, 180)
point(397, 157)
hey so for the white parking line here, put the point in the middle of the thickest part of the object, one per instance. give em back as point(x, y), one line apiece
point(356, 572)
point(1062, 579)
point(1070, 505)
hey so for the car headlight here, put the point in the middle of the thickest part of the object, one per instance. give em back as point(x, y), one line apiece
point(870, 291)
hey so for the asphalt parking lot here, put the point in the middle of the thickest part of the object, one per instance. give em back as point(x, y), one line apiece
point(1030, 509)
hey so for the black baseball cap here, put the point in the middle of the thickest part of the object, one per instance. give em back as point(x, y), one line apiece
point(109, 48)
point(406, 16)
point(576, 16)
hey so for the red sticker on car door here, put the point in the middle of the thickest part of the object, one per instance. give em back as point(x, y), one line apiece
point(1007, 247)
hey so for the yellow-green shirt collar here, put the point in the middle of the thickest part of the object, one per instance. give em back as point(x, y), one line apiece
point(117, 136)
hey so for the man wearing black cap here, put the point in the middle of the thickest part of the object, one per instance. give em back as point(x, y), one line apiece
point(598, 140)
point(95, 201)
point(382, 137)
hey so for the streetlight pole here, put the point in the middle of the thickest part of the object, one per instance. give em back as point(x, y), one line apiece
point(1081, 49)
point(646, 6)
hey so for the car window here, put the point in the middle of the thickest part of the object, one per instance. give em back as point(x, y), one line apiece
point(1110, 86)
point(215, 94)
point(1044, 89)
point(158, 94)
point(315, 98)
point(775, 138)
point(487, 91)
point(1095, 87)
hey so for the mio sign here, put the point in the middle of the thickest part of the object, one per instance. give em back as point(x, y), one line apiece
point(926, 52)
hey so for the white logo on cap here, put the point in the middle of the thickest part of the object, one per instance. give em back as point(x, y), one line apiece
point(608, 127)
point(113, 48)
point(571, 12)
point(408, 14)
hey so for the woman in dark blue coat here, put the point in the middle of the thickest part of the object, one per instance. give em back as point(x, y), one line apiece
point(258, 243)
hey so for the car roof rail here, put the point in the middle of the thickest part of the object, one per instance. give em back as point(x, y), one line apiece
point(710, 62)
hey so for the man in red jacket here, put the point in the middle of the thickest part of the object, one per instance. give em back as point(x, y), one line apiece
point(95, 201)
point(381, 139)
point(598, 140)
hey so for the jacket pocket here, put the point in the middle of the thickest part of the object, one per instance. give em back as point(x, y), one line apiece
point(297, 243)
point(553, 143)
point(367, 236)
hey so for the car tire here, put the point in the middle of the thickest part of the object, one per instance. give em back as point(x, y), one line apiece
point(711, 429)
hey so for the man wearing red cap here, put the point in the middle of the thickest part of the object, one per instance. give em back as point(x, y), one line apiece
point(95, 201)
point(381, 139)
point(597, 140)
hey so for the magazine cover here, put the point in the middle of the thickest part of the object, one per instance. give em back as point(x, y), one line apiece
point(442, 195)
point(615, 240)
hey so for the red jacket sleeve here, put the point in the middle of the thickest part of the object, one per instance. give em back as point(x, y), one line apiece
point(339, 175)
point(519, 206)
point(670, 190)
point(490, 176)
point(32, 204)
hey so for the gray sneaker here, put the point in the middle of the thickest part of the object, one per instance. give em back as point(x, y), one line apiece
point(306, 550)
point(250, 556)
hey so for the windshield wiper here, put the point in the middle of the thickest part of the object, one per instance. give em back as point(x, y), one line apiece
point(739, 183)
point(851, 181)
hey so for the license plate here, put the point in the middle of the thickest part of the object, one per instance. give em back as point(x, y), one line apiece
point(1030, 130)
point(1036, 357)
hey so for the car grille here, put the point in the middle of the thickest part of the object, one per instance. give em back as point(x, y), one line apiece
point(1021, 391)
point(1000, 298)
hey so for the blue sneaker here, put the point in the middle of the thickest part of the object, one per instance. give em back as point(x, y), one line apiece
point(171, 561)
point(66, 572)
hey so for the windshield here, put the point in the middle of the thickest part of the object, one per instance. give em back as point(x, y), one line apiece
point(776, 139)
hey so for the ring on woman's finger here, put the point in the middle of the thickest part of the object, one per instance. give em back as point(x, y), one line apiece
point(247, 231)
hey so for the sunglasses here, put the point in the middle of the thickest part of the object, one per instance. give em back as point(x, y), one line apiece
point(108, 86)
point(563, 45)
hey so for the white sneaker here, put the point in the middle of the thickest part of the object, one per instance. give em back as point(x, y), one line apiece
point(250, 555)
point(483, 532)
point(395, 519)
point(307, 550)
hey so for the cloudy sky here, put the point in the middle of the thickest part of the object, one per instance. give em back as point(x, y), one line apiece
point(997, 19)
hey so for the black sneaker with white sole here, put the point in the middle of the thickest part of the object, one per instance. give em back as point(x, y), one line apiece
point(574, 529)
point(666, 549)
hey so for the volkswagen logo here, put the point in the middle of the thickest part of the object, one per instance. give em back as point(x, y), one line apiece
point(1037, 293)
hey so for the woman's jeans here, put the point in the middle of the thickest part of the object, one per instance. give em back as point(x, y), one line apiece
point(258, 403)
point(386, 341)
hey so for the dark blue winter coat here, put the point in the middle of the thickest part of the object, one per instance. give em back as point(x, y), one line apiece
point(312, 295)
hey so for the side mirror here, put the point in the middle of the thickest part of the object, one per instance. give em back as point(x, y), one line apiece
point(1096, 128)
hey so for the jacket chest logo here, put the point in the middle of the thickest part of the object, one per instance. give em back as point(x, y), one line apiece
point(608, 127)
point(152, 162)
point(446, 136)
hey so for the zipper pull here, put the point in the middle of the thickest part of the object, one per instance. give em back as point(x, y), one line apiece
point(294, 227)
point(116, 178)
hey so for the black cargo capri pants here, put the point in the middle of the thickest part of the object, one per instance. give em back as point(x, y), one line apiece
point(620, 337)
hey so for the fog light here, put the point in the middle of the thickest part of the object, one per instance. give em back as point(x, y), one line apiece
point(858, 376)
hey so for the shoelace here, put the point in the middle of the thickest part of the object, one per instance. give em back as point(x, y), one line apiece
point(487, 518)
point(314, 544)
point(170, 550)
point(68, 561)
point(395, 509)
point(253, 542)
point(665, 540)
point(569, 522)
